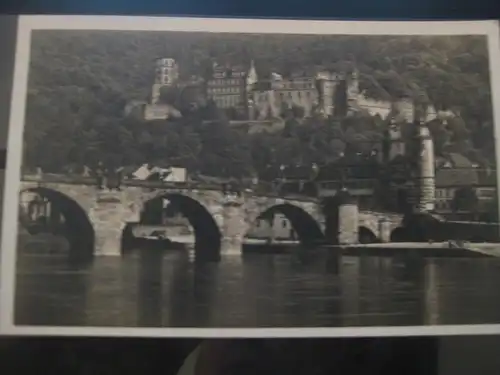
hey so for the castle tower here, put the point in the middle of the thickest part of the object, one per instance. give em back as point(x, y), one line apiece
point(423, 195)
point(394, 144)
point(352, 92)
point(250, 81)
point(325, 84)
point(252, 77)
point(167, 74)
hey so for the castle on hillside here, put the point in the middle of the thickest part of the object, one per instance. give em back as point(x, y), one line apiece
point(264, 98)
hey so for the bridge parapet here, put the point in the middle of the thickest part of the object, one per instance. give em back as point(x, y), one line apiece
point(263, 190)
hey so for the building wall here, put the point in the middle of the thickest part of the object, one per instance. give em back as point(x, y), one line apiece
point(444, 197)
point(226, 92)
point(297, 91)
point(160, 112)
point(266, 105)
point(227, 87)
point(383, 108)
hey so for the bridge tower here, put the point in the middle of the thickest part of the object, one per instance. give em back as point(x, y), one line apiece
point(423, 166)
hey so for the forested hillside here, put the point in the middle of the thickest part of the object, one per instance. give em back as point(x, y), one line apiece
point(80, 82)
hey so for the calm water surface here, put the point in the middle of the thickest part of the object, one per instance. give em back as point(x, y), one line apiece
point(153, 289)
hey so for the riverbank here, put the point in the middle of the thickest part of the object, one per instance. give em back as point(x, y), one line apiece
point(432, 249)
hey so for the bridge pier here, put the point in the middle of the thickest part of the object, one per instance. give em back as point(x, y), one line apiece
point(109, 216)
point(348, 223)
point(234, 228)
point(384, 230)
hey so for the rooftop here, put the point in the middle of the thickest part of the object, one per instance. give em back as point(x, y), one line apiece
point(457, 177)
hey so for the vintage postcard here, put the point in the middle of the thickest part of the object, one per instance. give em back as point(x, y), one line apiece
point(237, 177)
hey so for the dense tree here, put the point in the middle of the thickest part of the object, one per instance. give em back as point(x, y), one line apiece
point(81, 81)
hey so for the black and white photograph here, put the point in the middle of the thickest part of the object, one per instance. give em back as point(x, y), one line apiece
point(176, 176)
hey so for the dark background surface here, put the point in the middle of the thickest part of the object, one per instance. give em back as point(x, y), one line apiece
point(456, 355)
point(354, 9)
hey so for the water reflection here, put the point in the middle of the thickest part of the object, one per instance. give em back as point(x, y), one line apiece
point(306, 288)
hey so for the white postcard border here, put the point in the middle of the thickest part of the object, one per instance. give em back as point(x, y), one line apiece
point(227, 25)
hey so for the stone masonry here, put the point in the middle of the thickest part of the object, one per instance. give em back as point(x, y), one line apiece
point(110, 211)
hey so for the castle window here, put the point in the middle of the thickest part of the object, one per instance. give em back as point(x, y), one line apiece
point(299, 94)
point(284, 223)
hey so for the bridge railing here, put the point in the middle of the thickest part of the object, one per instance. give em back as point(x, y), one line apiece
point(171, 185)
point(368, 183)
point(62, 179)
point(262, 188)
point(83, 180)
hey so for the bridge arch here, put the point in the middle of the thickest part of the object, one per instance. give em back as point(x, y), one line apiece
point(400, 234)
point(78, 228)
point(307, 229)
point(366, 235)
point(207, 233)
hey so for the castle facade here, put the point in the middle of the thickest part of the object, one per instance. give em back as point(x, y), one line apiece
point(265, 98)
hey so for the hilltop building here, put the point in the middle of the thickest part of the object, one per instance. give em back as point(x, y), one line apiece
point(325, 93)
point(266, 98)
point(166, 75)
point(227, 86)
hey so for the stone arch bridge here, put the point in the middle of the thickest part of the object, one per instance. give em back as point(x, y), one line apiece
point(96, 218)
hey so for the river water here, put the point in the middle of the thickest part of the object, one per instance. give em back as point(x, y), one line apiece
point(148, 288)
